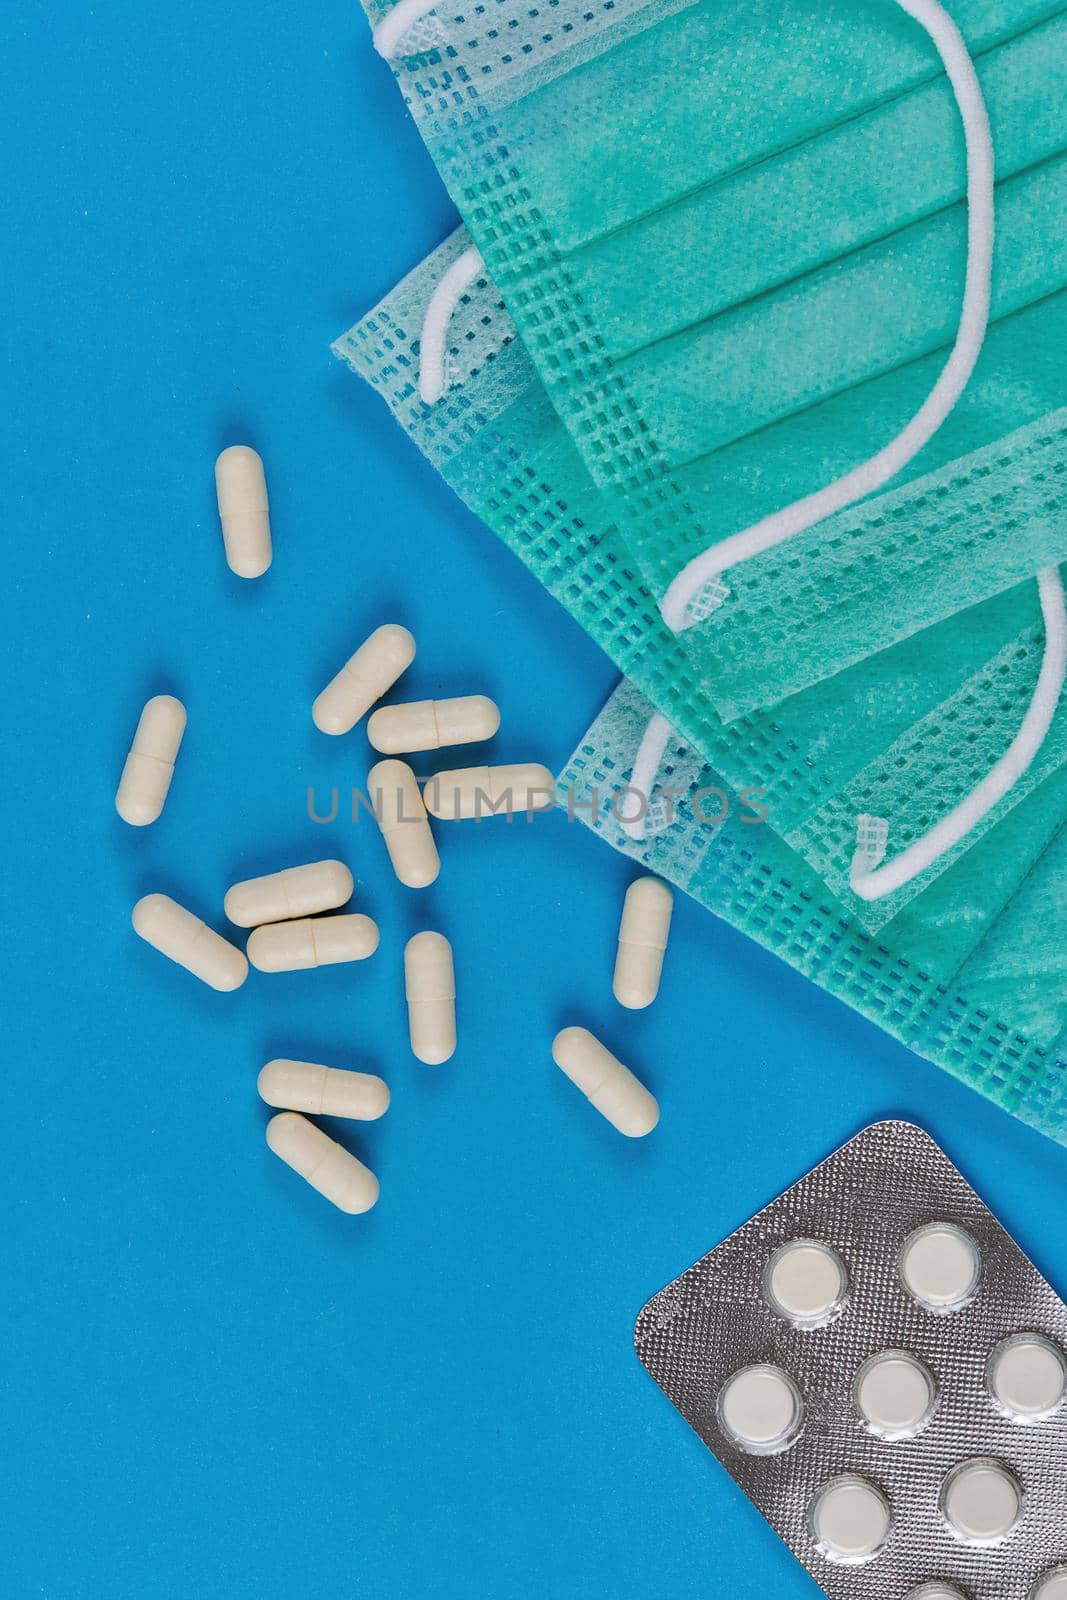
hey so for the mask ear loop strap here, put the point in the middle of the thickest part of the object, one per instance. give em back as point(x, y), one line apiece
point(870, 880)
point(443, 302)
point(643, 772)
point(974, 314)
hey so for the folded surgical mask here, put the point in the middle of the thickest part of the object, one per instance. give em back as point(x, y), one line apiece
point(907, 276)
point(996, 1024)
point(500, 445)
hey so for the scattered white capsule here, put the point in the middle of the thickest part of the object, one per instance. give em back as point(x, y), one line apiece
point(364, 678)
point(323, 1091)
point(490, 791)
point(429, 724)
point(176, 933)
point(605, 1082)
point(295, 892)
point(430, 987)
point(401, 815)
point(312, 942)
point(981, 1501)
point(150, 764)
point(243, 510)
point(646, 921)
point(322, 1162)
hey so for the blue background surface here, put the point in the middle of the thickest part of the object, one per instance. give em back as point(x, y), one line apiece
point(212, 1383)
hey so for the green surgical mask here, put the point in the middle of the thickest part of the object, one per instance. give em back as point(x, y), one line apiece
point(500, 445)
point(997, 1023)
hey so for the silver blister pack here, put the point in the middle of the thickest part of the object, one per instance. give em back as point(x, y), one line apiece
point(881, 1369)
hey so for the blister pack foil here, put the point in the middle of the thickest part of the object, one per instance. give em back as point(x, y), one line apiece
point(869, 1203)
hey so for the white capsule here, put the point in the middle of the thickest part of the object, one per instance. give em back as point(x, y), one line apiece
point(429, 724)
point(150, 764)
point(312, 942)
point(323, 1091)
point(322, 1162)
point(646, 922)
point(243, 510)
point(176, 933)
point(295, 892)
point(430, 987)
point(605, 1082)
point(364, 678)
point(490, 791)
point(401, 815)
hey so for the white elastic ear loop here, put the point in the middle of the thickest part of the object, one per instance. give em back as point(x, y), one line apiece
point(393, 26)
point(872, 882)
point(872, 474)
point(654, 742)
point(443, 302)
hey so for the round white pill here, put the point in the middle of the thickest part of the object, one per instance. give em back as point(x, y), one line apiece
point(1027, 1377)
point(935, 1591)
point(806, 1282)
point(981, 1501)
point(894, 1393)
point(1053, 1586)
point(850, 1519)
point(940, 1266)
point(761, 1410)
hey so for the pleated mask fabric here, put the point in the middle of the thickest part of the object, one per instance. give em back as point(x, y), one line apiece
point(998, 1023)
point(499, 443)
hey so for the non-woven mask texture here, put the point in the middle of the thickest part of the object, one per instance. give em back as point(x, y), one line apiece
point(499, 444)
point(525, 115)
point(997, 1024)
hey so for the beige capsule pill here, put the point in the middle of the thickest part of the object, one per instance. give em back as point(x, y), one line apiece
point(295, 892)
point(244, 512)
point(364, 678)
point(149, 767)
point(490, 791)
point(429, 724)
point(312, 942)
point(322, 1162)
point(430, 987)
point(646, 921)
point(176, 933)
point(401, 815)
point(323, 1091)
point(605, 1082)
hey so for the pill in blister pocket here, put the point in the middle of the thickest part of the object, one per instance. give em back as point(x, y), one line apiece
point(430, 724)
point(760, 1409)
point(940, 1267)
point(936, 1591)
point(364, 678)
point(894, 1393)
point(1027, 1377)
point(981, 1501)
point(850, 1519)
point(1052, 1586)
point(806, 1282)
point(145, 781)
